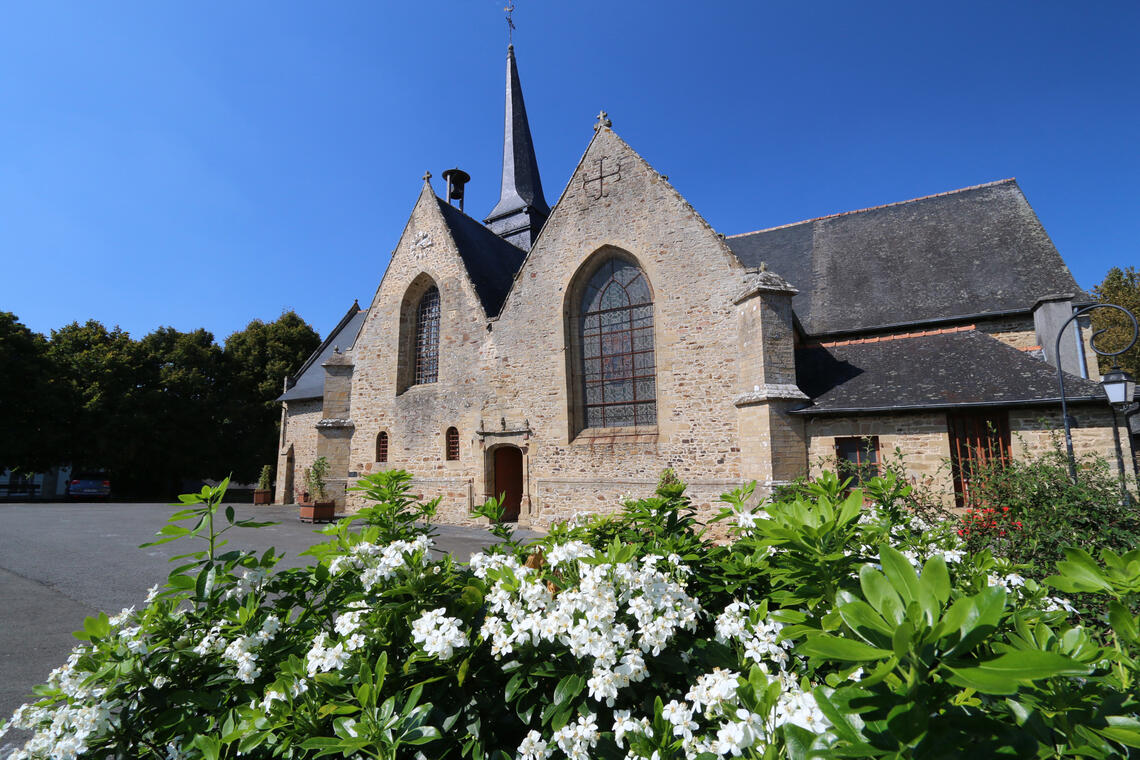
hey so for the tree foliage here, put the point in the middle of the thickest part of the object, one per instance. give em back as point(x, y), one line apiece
point(1120, 287)
point(153, 412)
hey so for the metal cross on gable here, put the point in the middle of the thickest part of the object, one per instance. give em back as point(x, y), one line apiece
point(613, 175)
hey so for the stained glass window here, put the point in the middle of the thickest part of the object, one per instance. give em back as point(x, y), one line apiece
point(427, 338)
point(619, 380)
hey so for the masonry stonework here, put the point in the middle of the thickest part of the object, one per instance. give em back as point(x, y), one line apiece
point(726, 380)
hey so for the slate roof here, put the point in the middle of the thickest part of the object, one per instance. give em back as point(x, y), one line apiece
point(929, 371)
point(309, 382)
point(491, 261)
point(521, 186)
point(957, 255)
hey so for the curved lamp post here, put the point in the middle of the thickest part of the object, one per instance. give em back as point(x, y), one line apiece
point(1118, 385)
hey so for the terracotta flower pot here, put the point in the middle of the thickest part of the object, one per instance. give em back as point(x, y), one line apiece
point(320, 511)
point(262, 496)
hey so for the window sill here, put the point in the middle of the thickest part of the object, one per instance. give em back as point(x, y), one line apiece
point(612, 435)
point(417, 388)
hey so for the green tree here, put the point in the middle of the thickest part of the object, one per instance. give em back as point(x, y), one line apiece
point(97, 370)
point(181, 379)
point(32, 404)
point(1120, 287)
point(258, 358)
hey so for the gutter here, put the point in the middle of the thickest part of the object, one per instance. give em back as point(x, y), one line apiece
point(809, 411)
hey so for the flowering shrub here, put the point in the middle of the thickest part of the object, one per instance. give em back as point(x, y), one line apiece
point(826, 628)
point(987, 524)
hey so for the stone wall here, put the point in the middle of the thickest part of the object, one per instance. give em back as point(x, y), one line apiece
point(920, 439)
point(511, 380)
point(299, 431)
point(1037, 431)
point(1018, 332)
point(923, 441)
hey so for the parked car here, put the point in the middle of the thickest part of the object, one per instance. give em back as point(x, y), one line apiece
point(89, 485)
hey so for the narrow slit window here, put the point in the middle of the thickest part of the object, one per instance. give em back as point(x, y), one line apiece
point(382, 446)
point(452, 444)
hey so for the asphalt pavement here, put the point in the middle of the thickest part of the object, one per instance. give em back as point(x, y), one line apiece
point(60, 563)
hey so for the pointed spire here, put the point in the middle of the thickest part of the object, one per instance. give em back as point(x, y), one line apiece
point(521, 210)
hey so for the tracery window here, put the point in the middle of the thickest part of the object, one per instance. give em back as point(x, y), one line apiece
point(382, 446)
point(618, 372)
point(452, 444)
point(427, 337)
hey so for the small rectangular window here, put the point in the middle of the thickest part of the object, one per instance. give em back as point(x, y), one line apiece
point(858, 458)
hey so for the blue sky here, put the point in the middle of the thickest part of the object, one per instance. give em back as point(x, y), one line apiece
point(204, 164)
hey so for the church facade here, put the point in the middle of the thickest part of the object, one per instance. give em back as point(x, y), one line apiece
point(562, 357)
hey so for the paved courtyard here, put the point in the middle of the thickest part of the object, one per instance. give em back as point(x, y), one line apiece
point(62, 562)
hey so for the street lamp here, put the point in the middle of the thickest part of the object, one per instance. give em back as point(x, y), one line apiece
point(1118, 386)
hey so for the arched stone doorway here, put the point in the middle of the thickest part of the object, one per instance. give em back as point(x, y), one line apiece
point(506, 468)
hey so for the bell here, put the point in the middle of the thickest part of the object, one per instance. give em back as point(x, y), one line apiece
point(456, 179)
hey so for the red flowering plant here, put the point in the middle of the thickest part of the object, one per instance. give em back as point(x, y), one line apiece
point(985, 524)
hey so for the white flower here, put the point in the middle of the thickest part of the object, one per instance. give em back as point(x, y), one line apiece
point(571, 550)
point(438, 634)
point(533, 747)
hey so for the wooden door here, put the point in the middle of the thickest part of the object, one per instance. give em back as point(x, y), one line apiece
point(978, 440)
point(508, 481)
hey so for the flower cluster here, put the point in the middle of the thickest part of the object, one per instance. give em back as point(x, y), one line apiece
point(62, 730)
point(437, 634)
point(242, 651)
point(988, 521)
point(378, 563)
point(617, 614)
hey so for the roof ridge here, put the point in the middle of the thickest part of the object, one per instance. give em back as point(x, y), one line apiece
point(876, 208)
point(352, 312)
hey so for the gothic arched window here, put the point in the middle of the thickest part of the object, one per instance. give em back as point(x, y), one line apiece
point(615, 330)
point(427, 337)
point(382, 446)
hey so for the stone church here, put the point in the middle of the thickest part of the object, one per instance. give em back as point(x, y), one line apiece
point(563, 356)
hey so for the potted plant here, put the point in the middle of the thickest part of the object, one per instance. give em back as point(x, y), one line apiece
point(263, 494)
point(321, 508)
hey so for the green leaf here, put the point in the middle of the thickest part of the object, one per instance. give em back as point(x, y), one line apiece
point(1004, 673)
point(569, 688)
point(421, 735)
point(512, 686)
point(461, 673)
point(900, 573)
point(178, 580)
point(878, 591)
point(1122, 621)
point(97, 626)
point(208, 746)
point(836, 648)
point(935, 579)
point(1123, 729)
point(861, 618)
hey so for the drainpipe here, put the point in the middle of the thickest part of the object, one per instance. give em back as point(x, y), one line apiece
point(1081, 351)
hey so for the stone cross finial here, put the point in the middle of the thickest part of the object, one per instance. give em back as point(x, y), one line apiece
point(427, 176)
point(603, 121)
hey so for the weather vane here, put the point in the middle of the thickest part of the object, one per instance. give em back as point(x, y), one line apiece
point(510, 8)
